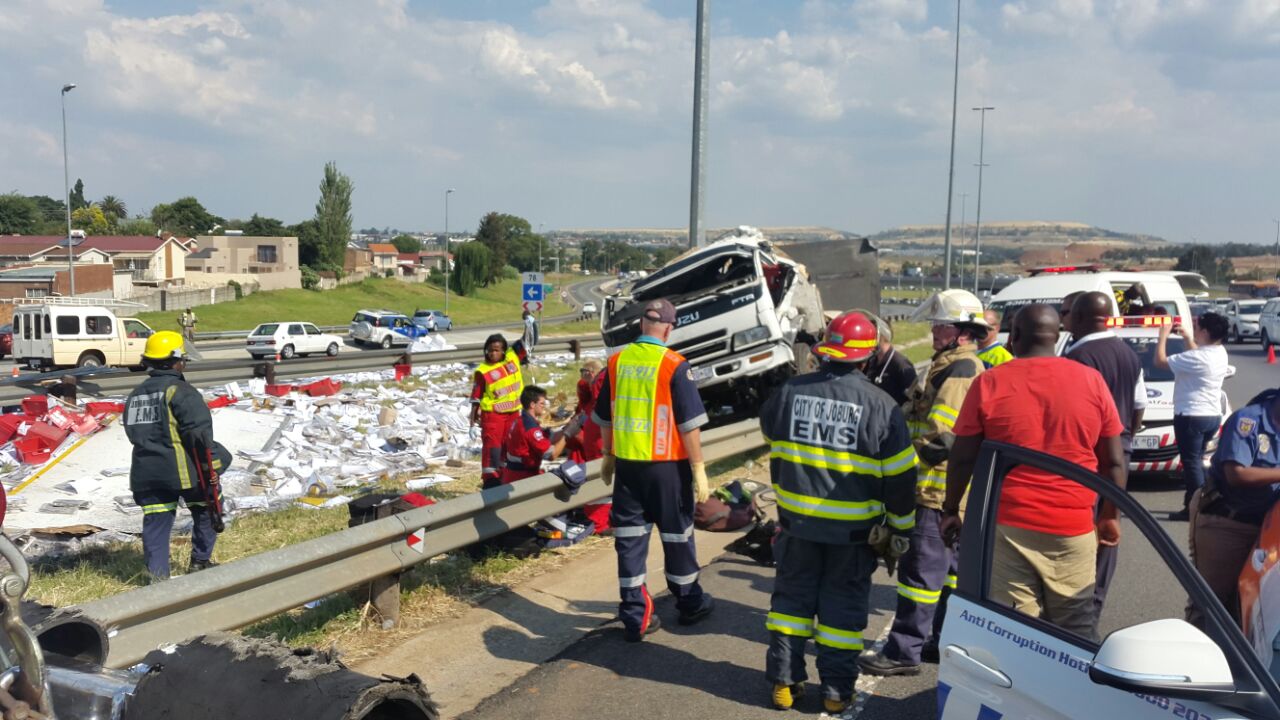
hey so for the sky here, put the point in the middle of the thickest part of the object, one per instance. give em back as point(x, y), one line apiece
point(1148, 116)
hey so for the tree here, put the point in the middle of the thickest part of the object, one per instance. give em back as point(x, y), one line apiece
point(184, 217)
point(506, 235)
point(309, 251)
point(471, 264)
point(333, 215)
point(665, 254)
point(136, 226)
point(407, 243)
point(50, 210)
point(91, 220)
point(260, 226)
point(18, 214)
point(77, 196)
point(591, 257)
point(114, 208)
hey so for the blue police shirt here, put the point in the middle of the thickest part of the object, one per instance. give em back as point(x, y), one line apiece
point(1249, 438)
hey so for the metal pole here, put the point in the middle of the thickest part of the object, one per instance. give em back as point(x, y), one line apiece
point(697, 183)
point(964, 202)
point(448, 269)
point(1277, 274)
point(66, 185)
point(977, 237)
point(951, 170)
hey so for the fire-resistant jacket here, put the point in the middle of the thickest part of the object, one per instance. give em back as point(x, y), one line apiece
point(840, 456)
point(932, 409)
point(165, 418)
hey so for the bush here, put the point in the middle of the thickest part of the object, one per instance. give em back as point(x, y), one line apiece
point(510, 273)
point(237, 288)
point(310, 279)
point(388, 273)
point(436, 277)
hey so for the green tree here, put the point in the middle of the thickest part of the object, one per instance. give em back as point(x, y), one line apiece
point(18, 215)
point(471, 264)
point(665, 254)
point(503, 234)
point(592, 258)
point(184, 217)
point(309, 250)
point(114, 208)
point(333, 214)
point(407, 243)
point(50, 210)
point(77, 196)
point(91, 220)
point(261, 226)
point(137, 226)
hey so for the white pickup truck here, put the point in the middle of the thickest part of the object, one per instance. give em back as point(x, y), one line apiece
point(51, 335)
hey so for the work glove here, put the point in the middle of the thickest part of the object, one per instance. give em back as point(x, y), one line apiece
point(701, 491)
point(888, 545)
point(574, 426)
point(606, 468)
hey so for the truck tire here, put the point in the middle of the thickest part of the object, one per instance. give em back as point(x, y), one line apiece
point(90, 359)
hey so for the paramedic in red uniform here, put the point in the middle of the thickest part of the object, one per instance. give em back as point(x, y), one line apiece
point(495, 402)
point(527, 443)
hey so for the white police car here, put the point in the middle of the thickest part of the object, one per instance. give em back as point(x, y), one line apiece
point(383, 328)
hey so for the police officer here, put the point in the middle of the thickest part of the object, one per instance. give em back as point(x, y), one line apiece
point(649, 414)
point(842, 462)
point(171, 429)
point(927, 572)
point(1242, 484)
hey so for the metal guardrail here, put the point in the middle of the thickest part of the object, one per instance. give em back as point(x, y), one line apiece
point(255, 588)
point(118, 381)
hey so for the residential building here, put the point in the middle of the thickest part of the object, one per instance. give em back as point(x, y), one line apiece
point(50, 280)
point(150, 260)
point(271, 262)
point(385, 257)
point(357, 261)
point(21, 250)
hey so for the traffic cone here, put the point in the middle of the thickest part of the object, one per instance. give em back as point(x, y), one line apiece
point(1271, 356)
point(15, 371)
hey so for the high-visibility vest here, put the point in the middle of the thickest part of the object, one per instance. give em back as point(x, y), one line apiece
point(503, 383)
point(644, 422)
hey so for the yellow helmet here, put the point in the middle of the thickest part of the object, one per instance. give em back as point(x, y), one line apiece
point(164, 345)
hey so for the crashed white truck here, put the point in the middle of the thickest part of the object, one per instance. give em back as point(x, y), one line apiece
point(746, 315)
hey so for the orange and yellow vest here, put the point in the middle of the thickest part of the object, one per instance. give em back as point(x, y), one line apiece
point(644, 423)
point(503, 383)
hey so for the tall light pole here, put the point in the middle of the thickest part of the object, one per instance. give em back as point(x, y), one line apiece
point(964, 202)
point(697, 181)
point(448, 269)
point(1277, 222)
point(951, 170)
point(977, 237)
point(66, 185)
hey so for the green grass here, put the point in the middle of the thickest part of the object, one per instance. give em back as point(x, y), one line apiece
point(920, 353)
point(909, 332)
point(500, 303)
point(577, 327)
point(892, 291)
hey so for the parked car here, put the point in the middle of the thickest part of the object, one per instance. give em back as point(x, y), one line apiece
point(1200, 308)
point(1242, 317)
point(289, 340)
point(589, 310)
point(6, 341)
point(383, 328)
point(1269, 323)
point(432, 320)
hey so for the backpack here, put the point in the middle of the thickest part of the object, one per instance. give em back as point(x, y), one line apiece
point(732, 506)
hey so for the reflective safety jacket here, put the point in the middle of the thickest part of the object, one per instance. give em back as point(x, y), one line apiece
point(503, 383)
point(994, 355)
point(932, 409)
point(840, 456)
point(644, 421)
point(165, 418)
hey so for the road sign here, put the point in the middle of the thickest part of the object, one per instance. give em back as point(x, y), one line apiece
point(532, 306)
point(531, 278)
point(531, 290)
point(416, 538)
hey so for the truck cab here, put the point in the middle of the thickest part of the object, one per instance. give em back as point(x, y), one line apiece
point(53, 335)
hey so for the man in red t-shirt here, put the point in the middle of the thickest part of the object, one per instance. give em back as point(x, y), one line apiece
point(1046, 544)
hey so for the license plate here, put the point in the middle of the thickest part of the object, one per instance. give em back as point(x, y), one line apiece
point(1146, 442)
point(703, 373)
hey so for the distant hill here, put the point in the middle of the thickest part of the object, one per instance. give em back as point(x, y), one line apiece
point(1011, 234)
point(680, 236)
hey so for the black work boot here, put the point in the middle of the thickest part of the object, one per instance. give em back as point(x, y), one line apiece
point(708, 604)
point(198, 565)
point(635, 636)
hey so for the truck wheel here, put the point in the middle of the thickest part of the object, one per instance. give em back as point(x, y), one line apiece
point(90, 359)
point(287, 353)
point(386, 343)
point(332, 350)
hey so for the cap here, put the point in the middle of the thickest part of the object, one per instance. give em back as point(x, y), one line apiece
point(660, 311)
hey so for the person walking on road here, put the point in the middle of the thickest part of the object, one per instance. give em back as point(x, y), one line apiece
point(650, 415)
point(887, 368)
point(1046, 534)
point(495, 402)
point(530, 336)
point(1098, 347)
point(990, 351)
point(174, 454)
point(187, 321)
point(1242, 484)
point(842, 463)
point(1198, 373)
point(927, 572)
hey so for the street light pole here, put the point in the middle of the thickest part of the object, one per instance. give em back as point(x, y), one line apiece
point(951, 170)
point(1277, 222)
point(977, 237)
point(697, 182)
point(448, 269)
point(964, 202)
point(66, 185)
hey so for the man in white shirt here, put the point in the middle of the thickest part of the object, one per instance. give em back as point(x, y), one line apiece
point(1198, 373)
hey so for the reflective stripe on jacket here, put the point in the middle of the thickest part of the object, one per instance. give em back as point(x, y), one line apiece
point(643, 419)
point(932, 409)
point(840, 457)
point(503, 383)
point(164, 418)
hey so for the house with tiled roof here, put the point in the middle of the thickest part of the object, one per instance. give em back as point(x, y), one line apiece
point(149, 260)
point(385, 257)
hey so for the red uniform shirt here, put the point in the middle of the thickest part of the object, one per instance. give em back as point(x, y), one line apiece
point(525, 445)
point(1055, 406)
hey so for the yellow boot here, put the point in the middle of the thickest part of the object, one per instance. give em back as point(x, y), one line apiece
point(784, 696)
point(834, 707)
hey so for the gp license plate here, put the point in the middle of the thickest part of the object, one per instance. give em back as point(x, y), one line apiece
point(703, 373)
point(1146, 442)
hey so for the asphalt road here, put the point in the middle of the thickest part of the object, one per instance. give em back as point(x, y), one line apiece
point(715, 670)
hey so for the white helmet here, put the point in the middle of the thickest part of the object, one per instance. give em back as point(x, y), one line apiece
point(952, 307)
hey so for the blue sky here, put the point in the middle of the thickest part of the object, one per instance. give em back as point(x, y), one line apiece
point(1155, 116)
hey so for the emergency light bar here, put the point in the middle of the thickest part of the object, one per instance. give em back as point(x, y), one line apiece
point(1139, 321)
point(1064, 269)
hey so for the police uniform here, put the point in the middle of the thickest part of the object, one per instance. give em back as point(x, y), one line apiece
point(647, 400)
point(526, 444)
point(166, 419)
point(841, 461)
point(496, 388)
point(1226, 519)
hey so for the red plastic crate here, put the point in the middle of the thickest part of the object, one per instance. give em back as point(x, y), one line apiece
point(322, 388)
point(36, 405)
point(51, 436)
point(221, 401)
point(403, 371)
point(9, 425)
point(32, 451)
point(279, 390)
point(104, 408)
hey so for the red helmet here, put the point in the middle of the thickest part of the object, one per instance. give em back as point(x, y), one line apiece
point(851, 337)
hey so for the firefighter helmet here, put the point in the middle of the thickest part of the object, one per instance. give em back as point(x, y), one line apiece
point(851, 337)
point(952, 307)
point(164, 345)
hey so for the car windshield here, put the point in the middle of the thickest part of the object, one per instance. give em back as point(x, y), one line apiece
point(1251, 309)
point(1145, 346)
point(427, 313)
point(267, 329)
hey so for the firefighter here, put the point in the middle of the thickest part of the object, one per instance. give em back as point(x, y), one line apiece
point(495, 402)
point(926, 574)
point(171, 430)
point(527, 442)
point(650, 416)
point(842, 463)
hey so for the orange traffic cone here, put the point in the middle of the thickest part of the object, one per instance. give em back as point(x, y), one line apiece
point(1271, 356)
point(15, 371)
